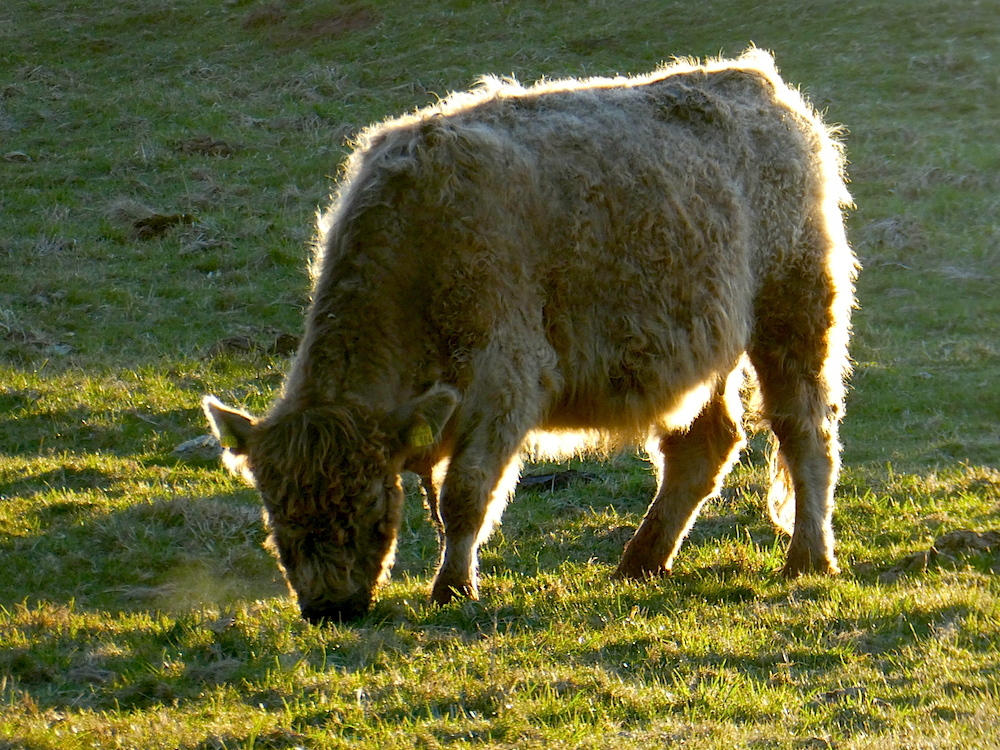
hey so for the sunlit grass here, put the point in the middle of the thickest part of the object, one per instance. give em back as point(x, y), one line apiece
point(137, 605)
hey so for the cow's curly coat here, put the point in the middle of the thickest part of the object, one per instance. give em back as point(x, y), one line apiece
point(602, 256)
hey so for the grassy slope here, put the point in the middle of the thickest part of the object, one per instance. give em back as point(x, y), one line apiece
point(138, 608)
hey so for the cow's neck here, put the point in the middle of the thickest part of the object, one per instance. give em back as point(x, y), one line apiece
point(360, 345)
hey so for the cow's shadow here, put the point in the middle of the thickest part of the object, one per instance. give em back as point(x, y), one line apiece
point(62, 478)
point(195, 601)
point(26, 429)
point(184, 590)
point(117, 597)
point(143, 557)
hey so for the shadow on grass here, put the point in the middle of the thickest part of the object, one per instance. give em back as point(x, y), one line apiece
point(171, 553)
point(135, 656)
point(180, 551)
point(28, 427)
point(126, 609)
point(65, 478)
point(154, 604)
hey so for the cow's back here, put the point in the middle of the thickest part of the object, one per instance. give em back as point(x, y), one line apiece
point(616, 233)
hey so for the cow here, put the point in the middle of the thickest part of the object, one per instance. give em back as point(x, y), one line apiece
point(599, 257)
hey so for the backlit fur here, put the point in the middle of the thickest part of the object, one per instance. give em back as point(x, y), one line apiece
point(597, 257)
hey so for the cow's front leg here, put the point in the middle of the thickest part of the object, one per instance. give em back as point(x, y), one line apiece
point(474, 494)
point(498, 410)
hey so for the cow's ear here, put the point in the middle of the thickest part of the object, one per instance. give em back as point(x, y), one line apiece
point(231, 426)
point(424, 418)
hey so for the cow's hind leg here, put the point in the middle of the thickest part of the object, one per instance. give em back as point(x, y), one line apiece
point(800, 357)
point(806, 467)
point(423, 466)
point(694, 463)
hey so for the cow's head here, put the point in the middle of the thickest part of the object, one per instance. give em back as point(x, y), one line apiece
point(329, 479)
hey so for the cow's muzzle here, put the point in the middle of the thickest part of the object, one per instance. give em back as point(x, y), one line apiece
point(328, 613)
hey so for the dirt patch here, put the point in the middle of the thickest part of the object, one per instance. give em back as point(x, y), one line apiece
point(338, 24)
point(142, 222)
point(263, 16)
point(947, 549)
point(283, 344)
point(285, 29)
point(158, 225)
point(206, 145)
point(589, 45)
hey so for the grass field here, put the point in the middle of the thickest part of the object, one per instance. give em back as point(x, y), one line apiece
point(160, 167)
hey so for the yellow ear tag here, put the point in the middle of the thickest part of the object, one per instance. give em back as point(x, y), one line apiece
point(228, 441)
point(421, 436)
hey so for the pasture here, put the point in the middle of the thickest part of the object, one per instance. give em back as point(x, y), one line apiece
point(160, 168)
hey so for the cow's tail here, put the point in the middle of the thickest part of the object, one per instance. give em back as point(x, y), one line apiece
point(781, 492)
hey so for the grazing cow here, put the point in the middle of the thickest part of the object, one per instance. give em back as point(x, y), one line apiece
point(590, 256)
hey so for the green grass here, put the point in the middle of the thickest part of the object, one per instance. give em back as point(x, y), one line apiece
point(137, 605)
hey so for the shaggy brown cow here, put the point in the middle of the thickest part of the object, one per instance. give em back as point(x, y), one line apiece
point(598, 256)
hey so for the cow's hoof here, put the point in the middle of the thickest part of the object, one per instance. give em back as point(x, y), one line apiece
point(443, 593)
point(802, 562)
point(638, 572)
